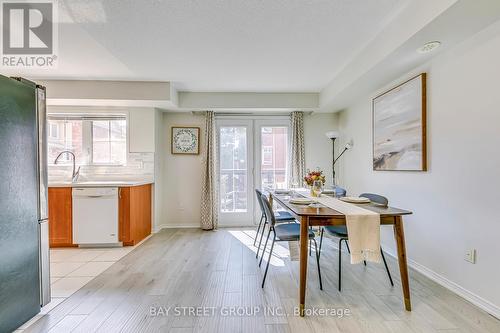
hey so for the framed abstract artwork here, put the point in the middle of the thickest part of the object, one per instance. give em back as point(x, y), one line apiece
point(185, 140)
point(399, 127)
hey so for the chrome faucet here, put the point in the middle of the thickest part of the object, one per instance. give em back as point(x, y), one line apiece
point(76, 172)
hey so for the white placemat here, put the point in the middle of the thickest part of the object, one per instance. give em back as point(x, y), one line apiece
point(363, 228)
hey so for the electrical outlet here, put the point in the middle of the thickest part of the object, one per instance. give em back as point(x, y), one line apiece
point(470, 256)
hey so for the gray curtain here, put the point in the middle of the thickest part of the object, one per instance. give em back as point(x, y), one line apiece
point(297, 153)
point(209, 194)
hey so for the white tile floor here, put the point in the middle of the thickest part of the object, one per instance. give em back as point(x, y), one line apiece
point(70, 270)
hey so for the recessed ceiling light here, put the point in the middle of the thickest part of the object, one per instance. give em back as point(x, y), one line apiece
point(428, 47)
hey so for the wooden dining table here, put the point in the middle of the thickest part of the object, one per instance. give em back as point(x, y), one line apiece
point(324, 216)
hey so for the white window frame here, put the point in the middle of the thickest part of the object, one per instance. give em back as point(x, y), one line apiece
point(267, 150)
point(90, 143)
point(255, 123)
point(237, 219)
point(51, 131)
point(270, 122)
point(87, 135)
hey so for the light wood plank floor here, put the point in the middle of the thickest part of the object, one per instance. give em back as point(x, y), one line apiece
point(193, 268)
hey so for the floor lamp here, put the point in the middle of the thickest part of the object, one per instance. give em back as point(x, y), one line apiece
point(333, 135)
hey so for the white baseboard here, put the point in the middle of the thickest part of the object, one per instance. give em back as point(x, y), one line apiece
point(229, 226)
point(478, 301)
point(176, 226)
point(197, 226)
point(190, 226)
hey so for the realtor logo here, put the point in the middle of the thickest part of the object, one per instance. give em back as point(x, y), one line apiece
point(28, 36)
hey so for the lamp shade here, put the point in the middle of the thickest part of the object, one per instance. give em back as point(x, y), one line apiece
point(332, 134)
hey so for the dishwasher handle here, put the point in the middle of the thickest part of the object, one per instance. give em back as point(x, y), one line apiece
point(93, 192)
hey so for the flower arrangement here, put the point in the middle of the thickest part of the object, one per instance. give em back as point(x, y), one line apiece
point(311, 176)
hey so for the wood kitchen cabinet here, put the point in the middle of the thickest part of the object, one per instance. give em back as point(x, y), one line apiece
point(60, 217)
point(134, 213)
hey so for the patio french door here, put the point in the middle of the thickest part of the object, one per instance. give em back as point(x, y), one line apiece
point(253, 153)
point(235, 138)
point(271, 153)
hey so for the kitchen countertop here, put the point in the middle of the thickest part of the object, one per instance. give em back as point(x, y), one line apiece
point(100, 183)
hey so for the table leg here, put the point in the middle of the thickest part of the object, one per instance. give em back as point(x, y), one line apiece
point(304, 237)
point(399, 235)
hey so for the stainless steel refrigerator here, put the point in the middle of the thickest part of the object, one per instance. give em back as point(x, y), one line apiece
point(24, 238)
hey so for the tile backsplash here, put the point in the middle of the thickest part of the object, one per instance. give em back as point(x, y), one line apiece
point(139, 166)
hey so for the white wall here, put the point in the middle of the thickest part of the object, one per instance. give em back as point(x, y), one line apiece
point(182, 175)
point(109, 93)
point(455, 203)
point(318, 147)
point(248, 100)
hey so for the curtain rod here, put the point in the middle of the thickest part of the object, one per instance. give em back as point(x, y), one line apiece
point(259, 114)
point(75, 116)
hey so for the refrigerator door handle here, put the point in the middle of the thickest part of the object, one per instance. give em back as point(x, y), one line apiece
point(43, 213)
point(44, 258)
point(42, 154)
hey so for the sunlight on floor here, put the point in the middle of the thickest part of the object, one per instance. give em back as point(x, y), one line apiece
point(247, 237)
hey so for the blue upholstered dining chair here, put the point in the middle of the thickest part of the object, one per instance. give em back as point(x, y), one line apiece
point(282, 217)
point(284, 232)
point(339, 192)
point(341, 233)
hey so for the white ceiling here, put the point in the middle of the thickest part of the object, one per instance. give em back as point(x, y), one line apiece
point(210, 45)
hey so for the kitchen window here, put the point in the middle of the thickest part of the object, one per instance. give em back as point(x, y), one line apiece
point(109, 141)
point(65, 134)
point(94, 140)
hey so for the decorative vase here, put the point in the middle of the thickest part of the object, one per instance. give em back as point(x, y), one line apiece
point(312, 192)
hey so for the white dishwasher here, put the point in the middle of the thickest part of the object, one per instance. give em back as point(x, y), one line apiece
point(95, 215)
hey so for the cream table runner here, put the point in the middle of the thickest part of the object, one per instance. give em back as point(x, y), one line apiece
point(363, 228)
